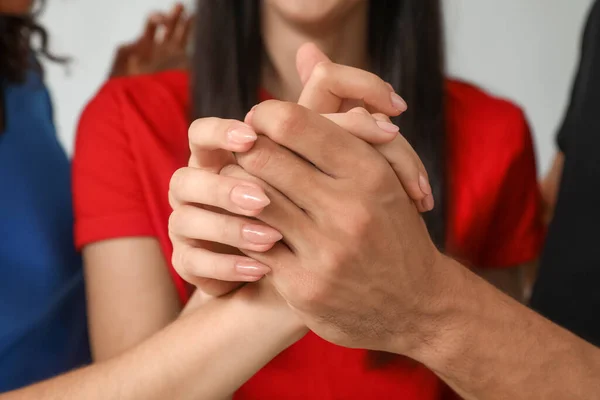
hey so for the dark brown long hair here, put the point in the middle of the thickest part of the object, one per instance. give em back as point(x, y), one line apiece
point(406, 48)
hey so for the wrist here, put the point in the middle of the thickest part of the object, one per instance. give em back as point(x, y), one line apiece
point(440, 319)
point(261, 299)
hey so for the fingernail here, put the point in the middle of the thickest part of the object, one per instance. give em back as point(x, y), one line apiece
point(398, 102)
point(428, 202)
point(249, 197)
point(251, 268)
point(424, 184)
point(260, 234)
point(248, 118)
point(241, 135)
point(388, 126)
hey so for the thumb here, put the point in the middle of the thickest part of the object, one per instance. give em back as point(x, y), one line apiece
point(307, 57)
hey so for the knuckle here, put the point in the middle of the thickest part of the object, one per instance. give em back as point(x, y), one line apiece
point(289, 118)
point(178, 259)
point(307, 293)
point(237, 172)
point(183, 262)
point(381, 117)
point(377, 175)
point(361, 111)
point(230, 170)
point(194, 129)
point(187, 264)
point(333, 259)
point(177, 183)
point(354, 220)
point(177, 221)
point(197, 132)
point(173, 202)
point(360, 220)
point(322, 71)
point(256, 160)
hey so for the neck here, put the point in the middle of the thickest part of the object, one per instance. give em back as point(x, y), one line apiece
point(344, 42)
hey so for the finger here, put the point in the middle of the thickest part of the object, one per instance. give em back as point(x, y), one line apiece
point(360, 123)
point(196, 186)
point(145, 44)
point(173, 21)
point(295, 178)
point(213, 139)
point(330, 84)
point(195, 223)
point(406, 164)
point(121, 59)
point(216, 288)
point(285, 267)
point(196, 265)
point(307, 57)
point(327, 146)
point(409, 169)
point(134, 65)
point(183, 32)
point(208, 286)
point(281, 214)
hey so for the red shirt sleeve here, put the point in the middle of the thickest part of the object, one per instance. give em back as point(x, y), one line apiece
point(516, 232)
point(108, 198)
point(493, 204)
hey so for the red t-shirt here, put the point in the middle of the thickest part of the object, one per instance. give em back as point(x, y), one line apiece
point(133, 136)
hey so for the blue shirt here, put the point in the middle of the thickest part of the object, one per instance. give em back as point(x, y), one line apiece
point(42, 300)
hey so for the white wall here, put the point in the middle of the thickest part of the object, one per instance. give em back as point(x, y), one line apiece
point(525, 50)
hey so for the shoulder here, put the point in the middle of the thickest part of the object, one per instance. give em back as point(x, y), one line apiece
point(143, 94)
point(478, 117)
point(135, 109)
point(494, 200)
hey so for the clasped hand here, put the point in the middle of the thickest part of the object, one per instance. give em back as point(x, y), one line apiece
point(322, 203)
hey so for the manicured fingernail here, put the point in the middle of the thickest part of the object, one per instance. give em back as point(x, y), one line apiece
point(428, 202)
point(388, 126)
point(241, 135)
point(398, 102)
point(251, 269)
point(249, 197)
point(260, 234)
point(424, 184)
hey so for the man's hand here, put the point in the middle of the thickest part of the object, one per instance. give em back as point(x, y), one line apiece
point(353, 240)
point(356, 260)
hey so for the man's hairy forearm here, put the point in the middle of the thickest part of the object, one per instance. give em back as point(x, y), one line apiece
point(489, 346)
point(207, 354)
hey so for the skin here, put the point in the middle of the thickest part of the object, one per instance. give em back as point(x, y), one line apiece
point(550, 185)
point(16, 7)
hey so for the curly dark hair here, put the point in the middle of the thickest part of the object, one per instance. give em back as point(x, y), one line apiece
point(17, 56)
point(16, 51)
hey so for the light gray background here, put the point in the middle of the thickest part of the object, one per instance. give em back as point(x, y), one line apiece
point(524, 50)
